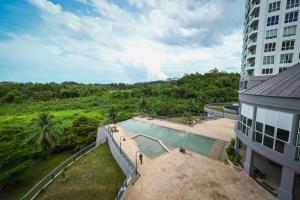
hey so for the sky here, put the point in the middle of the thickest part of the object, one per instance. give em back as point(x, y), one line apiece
point(105, 41)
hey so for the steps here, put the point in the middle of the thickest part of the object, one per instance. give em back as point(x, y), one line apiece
point(217, 149)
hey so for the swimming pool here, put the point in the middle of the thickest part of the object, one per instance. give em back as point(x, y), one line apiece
point(150, 147)
point(170, 137)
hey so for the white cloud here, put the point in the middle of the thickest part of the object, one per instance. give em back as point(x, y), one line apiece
point(161, 37)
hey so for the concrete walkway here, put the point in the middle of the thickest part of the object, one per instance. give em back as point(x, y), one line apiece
point(191, 176)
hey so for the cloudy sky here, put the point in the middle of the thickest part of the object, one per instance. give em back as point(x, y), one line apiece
point(102, 41)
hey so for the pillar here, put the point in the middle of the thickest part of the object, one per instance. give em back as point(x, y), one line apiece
point(285, 191)
point(290, 148)
point(248, 161)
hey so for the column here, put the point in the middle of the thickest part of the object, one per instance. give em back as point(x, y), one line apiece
point(248, 161)
point(290, 148)
point(250, 134)
point(285, 191)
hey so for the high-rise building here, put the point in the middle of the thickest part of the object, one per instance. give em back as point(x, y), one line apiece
point(271, 39)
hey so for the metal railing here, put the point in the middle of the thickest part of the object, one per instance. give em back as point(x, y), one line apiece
point(133, 174)
point(124, 155)
point(31, 194)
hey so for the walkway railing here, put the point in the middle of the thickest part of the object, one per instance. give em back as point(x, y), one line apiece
point(122, 159)
point(31, 194)
point(211, 109)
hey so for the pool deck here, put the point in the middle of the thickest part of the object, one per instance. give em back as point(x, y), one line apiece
point(222, 129)
point(192, 176)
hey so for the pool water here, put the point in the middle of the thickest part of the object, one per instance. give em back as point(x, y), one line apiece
point(151, 148)
point(170, 137)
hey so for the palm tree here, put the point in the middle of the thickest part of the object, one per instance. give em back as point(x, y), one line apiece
point(112, 114)
point(46, 135)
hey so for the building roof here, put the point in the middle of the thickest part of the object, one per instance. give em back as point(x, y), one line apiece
point(286, 84)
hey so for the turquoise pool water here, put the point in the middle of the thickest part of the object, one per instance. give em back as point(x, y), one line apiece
point(170, 137)
point(151, 148)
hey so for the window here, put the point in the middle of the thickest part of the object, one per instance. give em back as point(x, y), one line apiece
point(288, 45)
point(292, 4)
point(271, 34)
point(270, 47)
point(267, 71)
point(273, 20)
point(289, 31)
point(273, 136)
point(281, 69)
point(286, 58)
point(268, 60)
point(291, 17)
point(246, 124)
point(274, 6)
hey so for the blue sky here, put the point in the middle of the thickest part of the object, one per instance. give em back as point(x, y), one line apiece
point(103, 41)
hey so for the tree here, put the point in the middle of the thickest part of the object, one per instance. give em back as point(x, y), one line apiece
point(46, 135)
point(112, 114)
point(143, 106)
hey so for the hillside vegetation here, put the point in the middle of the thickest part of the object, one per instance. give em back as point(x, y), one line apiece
point(75, 111)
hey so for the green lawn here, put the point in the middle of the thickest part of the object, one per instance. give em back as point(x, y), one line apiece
point(32, 175)
point(95, 176)
point(182, 119)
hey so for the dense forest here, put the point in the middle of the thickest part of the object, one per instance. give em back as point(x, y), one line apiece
point(38, 121)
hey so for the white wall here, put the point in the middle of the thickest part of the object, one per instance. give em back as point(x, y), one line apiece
point(277, 119)
point(247, 111)
point(262, 27)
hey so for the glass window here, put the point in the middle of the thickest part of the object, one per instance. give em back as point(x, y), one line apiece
point(291, 17)
point(269, 130)
point(288, 45)
point(286, 58)
point(283, 134)
point(267, 71)
point(249, 123)
point(273, 20)
point(281, 69)
point(271, 34)
point(292, 4)
point(258, 137)
point(289, 31)
point(268, 60)
point(279, 146)
point(274, 6)
point(270, 47)
point(268, 141)
point(259, 126)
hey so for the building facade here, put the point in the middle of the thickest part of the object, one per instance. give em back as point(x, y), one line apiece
point(271, 40)
point(268, 133)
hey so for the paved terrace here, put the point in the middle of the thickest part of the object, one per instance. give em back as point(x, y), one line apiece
point(190, 176)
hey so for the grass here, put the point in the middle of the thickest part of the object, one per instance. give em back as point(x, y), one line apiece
point(32, 175)
point(95, 176)
point(183, 119)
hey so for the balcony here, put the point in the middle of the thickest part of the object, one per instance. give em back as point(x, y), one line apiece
point(254, 6)
point(250, 56)
point(251, 64)
point(253, 19)
point(253, 30)
point(251, 42)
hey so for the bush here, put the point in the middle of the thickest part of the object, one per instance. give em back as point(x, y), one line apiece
point(230, 150)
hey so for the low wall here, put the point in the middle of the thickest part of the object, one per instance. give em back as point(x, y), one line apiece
point(127, 166)
point(215, 113)
point(124, 162)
